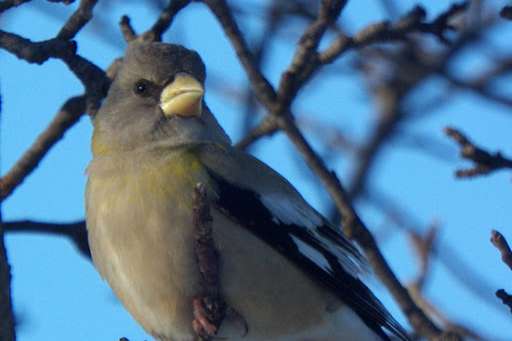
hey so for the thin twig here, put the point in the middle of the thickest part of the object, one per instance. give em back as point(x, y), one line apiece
point(164, 20)
point(499, 241)
point(356, 229)
point(7, 320)
point(424, 245)
point(262, 87)
point(75, 231)
point(413, 21)
point(8, 4)
point(67, 116)
point(458, 267)
point(267, 127)
point(305, 55)
point(127, 30)
point(276, 19)
point(505, 298)
point(92, 77)
point(484, 162)
point(480, 88)
point(266, 94)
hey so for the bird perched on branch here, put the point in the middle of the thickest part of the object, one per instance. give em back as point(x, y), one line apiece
point(284, 269)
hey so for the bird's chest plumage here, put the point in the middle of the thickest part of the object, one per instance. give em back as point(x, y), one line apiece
point(138, 218)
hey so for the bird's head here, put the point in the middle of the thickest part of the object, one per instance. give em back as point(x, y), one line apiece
point(156, 99)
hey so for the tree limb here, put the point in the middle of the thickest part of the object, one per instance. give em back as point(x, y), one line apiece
point(76, 231)
point(165, 20)
point(7, 319)
point(209, 307)
point(67, 116)
point(78, 20)
point(353, 224)
point(484, 162)
point(500, 243)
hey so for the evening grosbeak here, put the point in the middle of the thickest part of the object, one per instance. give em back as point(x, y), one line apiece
point(284, 269)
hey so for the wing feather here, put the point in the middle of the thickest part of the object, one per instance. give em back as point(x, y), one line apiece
point(302, 235)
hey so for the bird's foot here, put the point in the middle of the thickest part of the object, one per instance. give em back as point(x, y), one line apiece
point(206, 320)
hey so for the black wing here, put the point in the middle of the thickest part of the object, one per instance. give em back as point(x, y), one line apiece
point(318, 250)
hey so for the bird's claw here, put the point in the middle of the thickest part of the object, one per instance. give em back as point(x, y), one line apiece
point(201, 323)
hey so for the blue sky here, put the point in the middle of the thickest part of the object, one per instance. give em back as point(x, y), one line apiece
point(58, 294)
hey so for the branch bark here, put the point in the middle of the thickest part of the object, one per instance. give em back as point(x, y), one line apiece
point(209, 307)
point(67, 116)
point(484, 162)
point(278, 106)
point(7, 319)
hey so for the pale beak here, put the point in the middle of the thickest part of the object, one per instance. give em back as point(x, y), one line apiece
point(183, 97)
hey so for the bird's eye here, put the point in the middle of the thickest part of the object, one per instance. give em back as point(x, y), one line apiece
point(141, 87)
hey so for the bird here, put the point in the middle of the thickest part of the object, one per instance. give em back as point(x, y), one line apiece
point(286, 271)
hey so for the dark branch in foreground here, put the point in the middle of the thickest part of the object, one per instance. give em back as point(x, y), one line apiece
point(209, 308)
point(484, 161)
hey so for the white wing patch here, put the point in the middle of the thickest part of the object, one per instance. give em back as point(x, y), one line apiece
point(290, 211)
point(313, 254)
point(297, 212)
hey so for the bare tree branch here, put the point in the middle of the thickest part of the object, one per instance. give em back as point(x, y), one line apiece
point(262, 87)
point(127, 30)
point(505, 298)
point(92, 77)
point(414, 60)
point(506, 12)
point(499, 241)
point(484, 162)
point(305, 57)
point(77, 20)
point(36, 52)
point(353, 224)
point(268, 126)
point(164, 20)
point(413, 21)
point(75, 231)
point(7, 319)
point(356, 229)
point(67, 116)
point(209, 307)
point(8, 4)
point(425, 250)
point(458, 267)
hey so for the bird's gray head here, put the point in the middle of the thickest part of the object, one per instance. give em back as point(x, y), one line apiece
point(156, 99)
